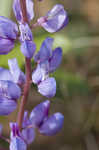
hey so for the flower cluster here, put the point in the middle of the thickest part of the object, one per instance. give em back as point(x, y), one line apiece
point(12, 80)
point(46, 125)
point(47, 62)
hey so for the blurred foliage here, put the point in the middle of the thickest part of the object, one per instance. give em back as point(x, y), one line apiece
point(5, 11)
point(69, 84)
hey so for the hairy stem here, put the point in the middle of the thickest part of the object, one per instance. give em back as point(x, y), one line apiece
point(28, 73)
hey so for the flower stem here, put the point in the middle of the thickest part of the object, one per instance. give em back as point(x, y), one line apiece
point(28, 73)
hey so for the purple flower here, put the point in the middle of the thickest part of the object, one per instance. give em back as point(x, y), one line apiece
point(39, 113)
point(47, 62)
point(17, 142)
point(47, 87)
point(1, 127)
point(39, 118)
point(17, 75)
point(18, 12)
point(9, 31)
point(8, 34)
point(5, 74)
point(9, 94)
point(46, 125)
point(7, 106)
point(9, 89)
point(28, 134)
point(55, 59)
point(55, 19)
point(45, 51)
point(52, 125)
point(27, 45)
point(13, 74)
point(46, 54)
point(40, 73)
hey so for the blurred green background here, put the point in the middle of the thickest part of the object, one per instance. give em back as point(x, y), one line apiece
point(77, 78)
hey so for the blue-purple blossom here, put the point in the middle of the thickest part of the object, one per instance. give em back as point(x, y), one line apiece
point(16, 73)
point(46, 53)
point(26, 120)
point(28, 47)
point(6, 46)
point(9, 90)
point(55, 19)
point(18, 12)
point(52, 125)
point(7, 106)
point(47, 125)
point(47, 87)
point(9, 31)
point(1, 127)
point(55, 59)
point(9, 94)
point(5, 74)
point(39, 118)
point(17, 142)
point(28, 134)
point(8, 34)
point(41, 72)
point(39, 113)
point(47, 62)
point(13, 74)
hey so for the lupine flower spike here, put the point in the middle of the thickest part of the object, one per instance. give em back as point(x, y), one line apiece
point(14, 83)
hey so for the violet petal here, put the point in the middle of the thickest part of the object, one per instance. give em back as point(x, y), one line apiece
point(36, 75)
point(55, 20)
point(39, 113)
point(45, 50)
point(41, 72)
point(8, 29)
point(1, 127)
point(52, 125)
point(14, 130)
point(18, 12)
point(55, 59)
point(27, 45)
point(9, 89)
point(5, 74)
point(30, 11)
point(47, 87)
point(6, 46)
point(7, 106)
point(17, 74)
point(28, 48)
point(17, 143)
point(28, 135)
point(26, 120)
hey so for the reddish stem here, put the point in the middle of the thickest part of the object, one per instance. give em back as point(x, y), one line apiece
point(28, 73)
